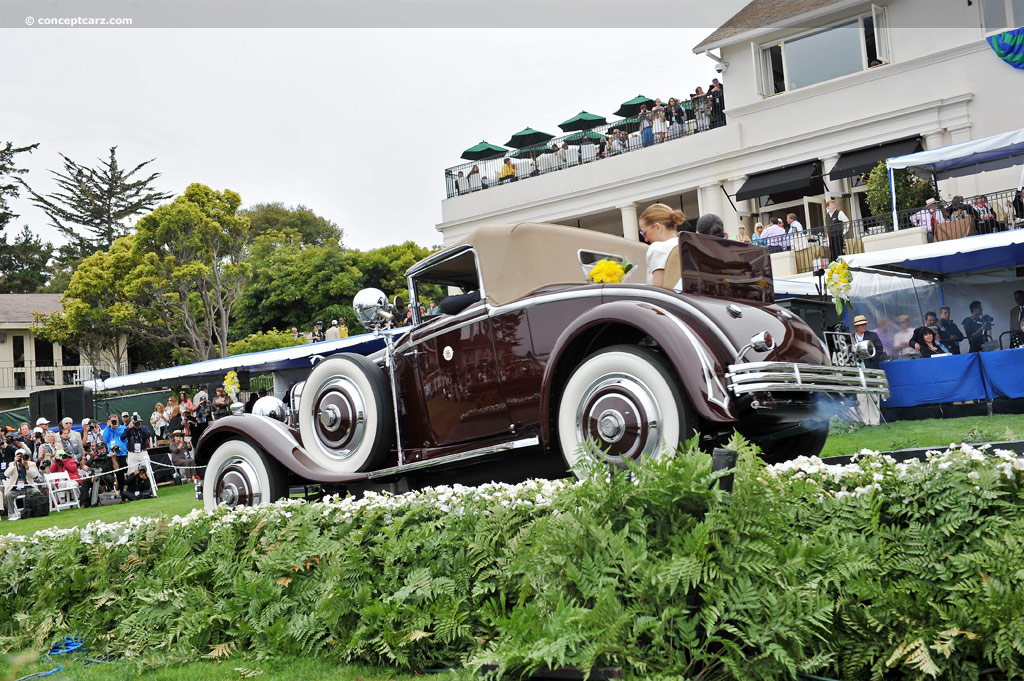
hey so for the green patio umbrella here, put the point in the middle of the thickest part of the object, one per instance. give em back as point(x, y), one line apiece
point(582, 121)
point(483, 151)
point(528, 152)
point(587, 136)
point(632, 107)
point(627, 124)
point(528, 137)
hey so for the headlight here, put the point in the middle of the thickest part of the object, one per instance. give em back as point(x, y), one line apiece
point(271, 407)
point(864, 350)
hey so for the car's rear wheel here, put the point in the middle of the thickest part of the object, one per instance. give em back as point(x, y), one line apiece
point(626, 400)
point(345, 414)
point(809, 443)
point(239, 474)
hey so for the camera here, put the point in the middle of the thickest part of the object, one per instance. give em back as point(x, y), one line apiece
point(987, 320)
point(135, 418)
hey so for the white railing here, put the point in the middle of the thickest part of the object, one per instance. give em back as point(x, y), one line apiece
point(28, 376)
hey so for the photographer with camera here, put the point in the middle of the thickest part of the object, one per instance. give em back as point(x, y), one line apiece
point(137, 485)
point(21, 477)
point(182, 456)
point(136, 437)
point(201, 417)
point(977, 327)
point(113, 432)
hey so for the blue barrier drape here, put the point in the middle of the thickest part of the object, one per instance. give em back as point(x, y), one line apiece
point(950, 378)
point(1004, 372)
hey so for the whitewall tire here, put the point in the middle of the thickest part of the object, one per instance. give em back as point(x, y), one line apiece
point(626, 400)
point(238, 474)
point(346, 418)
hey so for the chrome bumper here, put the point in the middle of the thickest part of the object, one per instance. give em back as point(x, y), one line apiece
point(759, 377)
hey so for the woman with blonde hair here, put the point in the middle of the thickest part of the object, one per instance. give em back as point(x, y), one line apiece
point(659, 226)
point(159, 420)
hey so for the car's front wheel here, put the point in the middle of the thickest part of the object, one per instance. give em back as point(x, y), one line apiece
point(625, 400)
point(239, 474)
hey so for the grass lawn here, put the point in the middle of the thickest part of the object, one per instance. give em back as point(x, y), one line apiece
point(172, 500)
point(845, 439)
point(848, 438)
point(230, 669)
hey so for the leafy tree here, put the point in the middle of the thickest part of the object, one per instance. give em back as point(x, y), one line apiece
point(260, 341)
point(8, 173)
point(23, 262)
point(97, 318)
point(99, 201)
point(910, 190)
point(295, 285)
point(192, 270)
point(276, 217)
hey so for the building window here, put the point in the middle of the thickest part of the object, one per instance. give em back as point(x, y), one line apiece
point(998, 15)
point(823, 55)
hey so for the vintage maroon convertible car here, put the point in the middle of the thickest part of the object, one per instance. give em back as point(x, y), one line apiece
point(528, 360)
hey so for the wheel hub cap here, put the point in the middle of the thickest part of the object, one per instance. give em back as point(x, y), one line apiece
point(339, 416)
point(238, 484)
point(620, 414)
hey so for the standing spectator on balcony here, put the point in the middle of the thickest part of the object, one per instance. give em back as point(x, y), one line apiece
point(676, 119)
point(508, 172)
point(741, 233)
point(461, 185)
point(700, 109)
point(560, 155)
point(616, 146)
point(929, 216)
point(646, 131)
point(660, 125)
point(774, 238)
point(835, 221)
point(958, 210)
point(716, 95)
point(794, 228)
point(755, 238)
point(471, 179)
point(987, 220)
point(949, 332)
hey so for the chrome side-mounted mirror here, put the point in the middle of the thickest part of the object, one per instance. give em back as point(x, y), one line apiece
point(372, 308)
point(762, 342)
point(399, 307)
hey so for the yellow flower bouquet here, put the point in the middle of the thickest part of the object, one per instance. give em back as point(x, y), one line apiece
point(838, 280)
point(231, 385)
point(609, 271)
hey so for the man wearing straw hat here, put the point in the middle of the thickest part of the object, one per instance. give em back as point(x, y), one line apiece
point(867, 405)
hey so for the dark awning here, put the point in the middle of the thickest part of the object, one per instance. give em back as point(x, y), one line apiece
point(861, 161)
point(794, 178)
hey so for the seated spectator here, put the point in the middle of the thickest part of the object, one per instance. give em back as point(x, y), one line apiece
point(508, 172)
point(20, 478)
point(475, 171)
point(461, 183)
point(903, 338)
point(926, 342)
point(659, 227)
point(617, 145)
point(986, 214)
point(929, 216)
point(1017, 337)
point(711, 225)
point(182, 456)
point(958, 210)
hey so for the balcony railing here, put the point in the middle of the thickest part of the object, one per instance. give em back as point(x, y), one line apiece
point(702, 114)
point(29, 376)
point(1005, 211)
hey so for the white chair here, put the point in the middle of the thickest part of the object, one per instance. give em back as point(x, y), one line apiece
point(63, 490)
point(547, 162)
point(589, 152)
point(474, 182)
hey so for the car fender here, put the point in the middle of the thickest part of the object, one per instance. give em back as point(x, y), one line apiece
point(698, 367)
point(275, 438)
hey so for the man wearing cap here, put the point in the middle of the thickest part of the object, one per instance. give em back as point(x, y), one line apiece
point(929, 216)
point(21, 477)
point(181, 456)
point(867, 404)
point(333, 333)
point(113, 432)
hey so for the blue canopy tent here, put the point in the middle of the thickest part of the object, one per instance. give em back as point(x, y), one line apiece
point(979, 253)
point(967, 158)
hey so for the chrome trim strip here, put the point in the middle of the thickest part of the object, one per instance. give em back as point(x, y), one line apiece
point(447, 329)
point(451, 458)
point(792, 377)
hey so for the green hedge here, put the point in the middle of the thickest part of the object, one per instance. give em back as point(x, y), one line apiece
point(872, 570)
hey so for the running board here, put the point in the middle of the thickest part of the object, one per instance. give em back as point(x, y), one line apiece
point(453, 458)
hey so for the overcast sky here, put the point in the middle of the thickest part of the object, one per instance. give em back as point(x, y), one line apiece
point(356, 124)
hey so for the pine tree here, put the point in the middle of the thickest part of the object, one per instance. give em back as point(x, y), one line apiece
point(93, 206)
point(23, 262)
point(8, 173)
